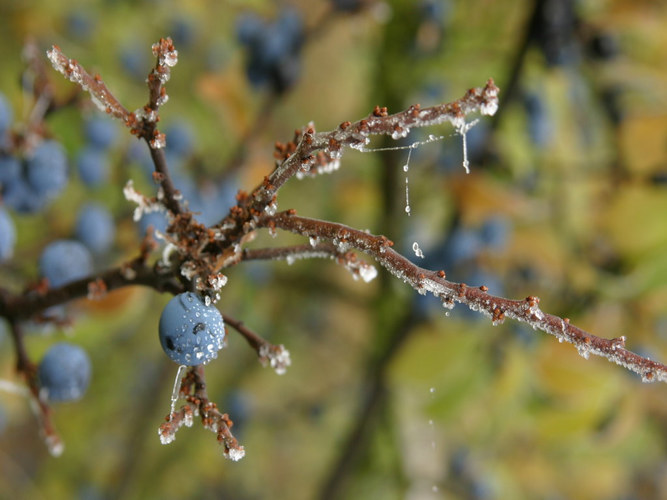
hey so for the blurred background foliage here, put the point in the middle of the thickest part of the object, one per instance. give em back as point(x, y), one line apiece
point(388, 396)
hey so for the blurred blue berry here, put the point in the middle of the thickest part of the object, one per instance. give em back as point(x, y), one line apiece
point(462, 244)
point(191, 333)
point(101, 132)
point(135, 62)
point(64, 372)
point(10, 171)
point(249, 27)
point(347, 5)
point(273, 49)
point(79, 24)
point(540, 128)
point(92, 165)
point(95, 227)
point(7, 235)
point(494, 232)
point(64, 261)
point(158, 220)
point(46, 169)
point(6, 115)
point(212, 203)
point(182, 32)
point(180, 138)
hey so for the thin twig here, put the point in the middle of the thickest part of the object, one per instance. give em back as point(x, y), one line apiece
point(269, 354)
point(193, 389)
point(476, 298)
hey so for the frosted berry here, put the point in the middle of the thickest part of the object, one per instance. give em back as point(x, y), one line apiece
point(64, 261)
point(191, 333)
point(64, 372)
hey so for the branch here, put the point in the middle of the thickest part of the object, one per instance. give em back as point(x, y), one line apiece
point(274, 355)
point(134, 272)
point(42, 410)
point(476, 298)
point(142, 122)
point(193, 389)
point(315, 250)
point(311, 153)
point(99, 93)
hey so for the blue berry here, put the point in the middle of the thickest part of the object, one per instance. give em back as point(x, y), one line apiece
point(134, 61)
point(347, 5)
point(212, 202)
point(463, 244)
point(46, 169)
point(101, 132)
point(249, 28)
point(80, 24)
point(6, 115)
point(93, 166)
point(273, 49)
point(183, 32)
point(540, 127)
point(495, 232)
point(64, 261)
point(7, 235)
point(191, 333)
point(95, 227)
point(10, 171)
point(64, 372)
point(157, 220)
point(180, 139)
point(20, 196)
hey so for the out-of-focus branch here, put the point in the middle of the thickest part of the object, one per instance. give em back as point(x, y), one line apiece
point(476, 298)
point(26, 368)
point(134, 272)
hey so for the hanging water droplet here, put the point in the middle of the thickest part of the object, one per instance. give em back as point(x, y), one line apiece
point(583, 352)
point(418, 251)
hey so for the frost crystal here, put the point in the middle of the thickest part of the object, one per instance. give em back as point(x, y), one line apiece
point(367, 272)
point(144, 205)
point(489, 108)
point(217, 281)
point(169, 249)
point(171, 58)
point(158, 142)
point(277, 356)
point(55, 445)
point(166, 438)
point(235, 454)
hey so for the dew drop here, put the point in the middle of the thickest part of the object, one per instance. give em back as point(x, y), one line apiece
point(418, 251)
point(583, 352)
